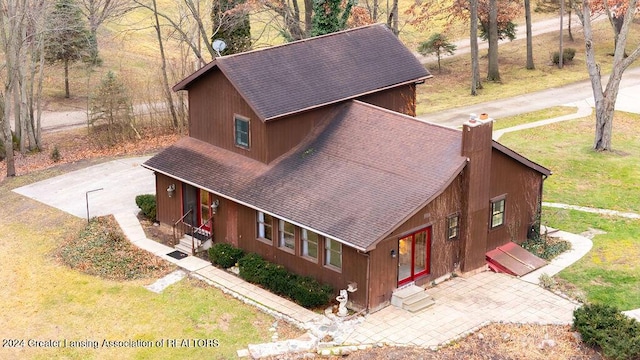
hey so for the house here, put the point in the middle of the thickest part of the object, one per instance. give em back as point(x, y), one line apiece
point(309, 155)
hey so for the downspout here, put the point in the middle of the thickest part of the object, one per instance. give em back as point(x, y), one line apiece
point(366, 294)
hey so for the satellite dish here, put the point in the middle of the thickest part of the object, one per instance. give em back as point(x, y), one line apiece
point(219, 45)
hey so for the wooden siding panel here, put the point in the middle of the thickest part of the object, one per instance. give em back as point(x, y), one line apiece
point(521, 185)
point(168, 208)
point(401, 99)
point(445, 253)
point(213, 103)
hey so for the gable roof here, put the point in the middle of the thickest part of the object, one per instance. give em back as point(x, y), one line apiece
point(305, 74)
point(355, 179)
point(521, 159)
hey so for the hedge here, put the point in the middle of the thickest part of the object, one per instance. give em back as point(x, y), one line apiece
point(605, 327)
point(304, 290)
point(225, 255)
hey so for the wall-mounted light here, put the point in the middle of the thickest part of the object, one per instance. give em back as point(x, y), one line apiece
point(214, 207)
point(171, 190)
point(393, 253)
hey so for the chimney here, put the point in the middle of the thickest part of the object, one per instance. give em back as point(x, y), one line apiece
point(476, 146)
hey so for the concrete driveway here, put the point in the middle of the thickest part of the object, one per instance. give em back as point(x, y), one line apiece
point(120, 180)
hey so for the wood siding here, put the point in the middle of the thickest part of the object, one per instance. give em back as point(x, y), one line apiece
point(401, 99)
point(213, 104)
point(521, 185)
point(445, 253)
point(168, 209)
point(354, 264)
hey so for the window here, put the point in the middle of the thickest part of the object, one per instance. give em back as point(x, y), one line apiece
point(309, 244)
point(287, 235)
point(497, 212)
point(242, 131)
point(265, 226)
point(333, 253)
point(453, 226)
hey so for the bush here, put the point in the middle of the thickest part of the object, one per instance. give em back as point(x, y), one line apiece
point(545, 247)
point(252, 268)
point(567, 56)
point(55, 154)
point(605, 327)
point(304, 290)
point(147, 203)
point(225, 255)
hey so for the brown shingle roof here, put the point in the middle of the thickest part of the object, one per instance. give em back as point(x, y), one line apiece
point(356, 180)
point(308, 73)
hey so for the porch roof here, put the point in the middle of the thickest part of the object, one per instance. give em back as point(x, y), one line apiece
point(355, 179)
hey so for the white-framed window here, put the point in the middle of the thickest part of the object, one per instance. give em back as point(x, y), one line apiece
point(453, 226)
point(286, 235)
point(309, 243)
point(497, 212)
point(241, 126)
point(265, 226)
point(333, 253)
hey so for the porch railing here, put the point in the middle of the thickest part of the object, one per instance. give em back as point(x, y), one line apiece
point(180, 228)
point(200, 230)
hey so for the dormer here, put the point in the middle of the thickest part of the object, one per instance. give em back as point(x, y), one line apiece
point(263, 103)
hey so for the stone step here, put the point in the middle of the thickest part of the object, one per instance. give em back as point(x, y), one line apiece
point(418, 302)
point(184, 247)
point(399, 296)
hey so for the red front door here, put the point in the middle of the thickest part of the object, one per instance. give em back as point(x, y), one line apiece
point(414, 255)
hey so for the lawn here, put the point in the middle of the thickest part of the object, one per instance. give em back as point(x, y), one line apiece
point(610, 273)
point(544, 114)
point(45, 300)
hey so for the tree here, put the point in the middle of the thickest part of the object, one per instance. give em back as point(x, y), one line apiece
point(231, 24)
point(437, 44)
point(68, 39)
point(327, 17)
point(493, 71)
point(473, 39)
point(605, 100)
point(111, 106)
point(97, 12)
point(527, 17)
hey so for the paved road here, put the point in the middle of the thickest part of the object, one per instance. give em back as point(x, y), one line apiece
point(565, 95)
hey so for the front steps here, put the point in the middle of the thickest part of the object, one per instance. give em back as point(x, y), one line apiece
point(201, 242)
point(411, 298)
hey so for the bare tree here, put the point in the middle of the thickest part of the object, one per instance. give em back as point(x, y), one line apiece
point(99, 11)
point(493, 72)
point(527, 16)
point(473, 38)
point(165, 82)
point(605, 100)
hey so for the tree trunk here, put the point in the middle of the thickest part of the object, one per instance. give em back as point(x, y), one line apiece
point(493, 73)
point(473, 39)
point(527, 15)
point(8, 140)
point(561, 51)
point(308, 15)
point(167, 90)
point(392, 20)
point(67, 94)
point(604, 124)
point(569, 22)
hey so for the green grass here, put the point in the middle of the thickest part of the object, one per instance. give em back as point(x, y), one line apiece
point(607, 180)
point(549, 113)
point(610, 272)
point(44, 299)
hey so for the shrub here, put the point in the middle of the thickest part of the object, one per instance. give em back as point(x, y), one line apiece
point(545, 247)
point(603, 326)
point(55, 154)
point(567, 56)
point(304, 290)
point(225, 255)
point(252, 268)
point(308, 292)
point(147, 203)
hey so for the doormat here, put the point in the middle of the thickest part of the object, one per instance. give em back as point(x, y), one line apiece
point(177, 254)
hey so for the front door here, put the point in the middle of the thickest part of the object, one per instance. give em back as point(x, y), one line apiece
point(199, 202)
point(414, 260)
